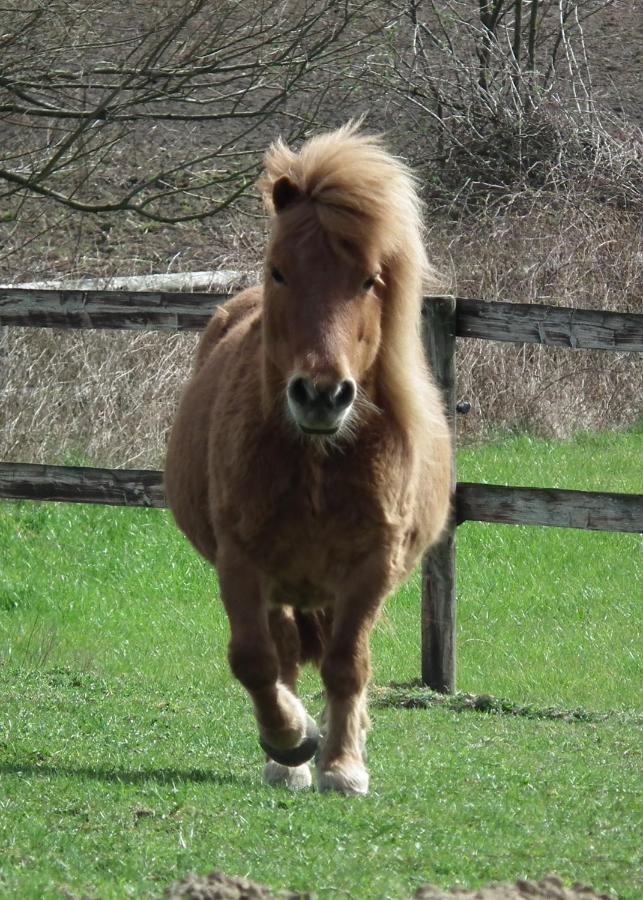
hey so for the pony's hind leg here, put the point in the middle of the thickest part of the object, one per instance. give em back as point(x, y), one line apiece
point(285, 635)
point(286, 732)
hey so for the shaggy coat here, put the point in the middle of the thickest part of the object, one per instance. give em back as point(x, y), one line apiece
point(310, 456)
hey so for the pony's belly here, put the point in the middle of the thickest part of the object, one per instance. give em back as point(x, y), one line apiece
point(302, 594)
point(311, 573)
point(305, 573)
point(307, 566)
point(309, 538)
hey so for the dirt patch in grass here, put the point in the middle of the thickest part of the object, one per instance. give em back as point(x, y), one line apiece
point(217, 886)
point(550, 888)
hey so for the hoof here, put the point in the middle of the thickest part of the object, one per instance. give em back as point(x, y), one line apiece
point(348, 779)
point(297, 778)
point(295, 756)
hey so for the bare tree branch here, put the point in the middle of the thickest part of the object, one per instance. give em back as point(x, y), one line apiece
point(182, 93)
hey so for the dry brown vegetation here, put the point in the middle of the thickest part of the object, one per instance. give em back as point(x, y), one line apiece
point(533, 189)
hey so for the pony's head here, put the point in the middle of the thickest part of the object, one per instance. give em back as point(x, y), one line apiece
point(346, 242)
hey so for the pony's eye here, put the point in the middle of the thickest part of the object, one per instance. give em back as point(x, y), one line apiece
point(277, 276)
point(369, 283)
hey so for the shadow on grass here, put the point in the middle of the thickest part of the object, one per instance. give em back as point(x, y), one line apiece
point(122, 776)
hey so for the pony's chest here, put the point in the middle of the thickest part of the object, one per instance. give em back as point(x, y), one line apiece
point(307, 520)
point(313, 512)
point(314, 524)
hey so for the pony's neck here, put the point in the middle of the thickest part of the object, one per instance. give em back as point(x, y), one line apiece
point(272, 388)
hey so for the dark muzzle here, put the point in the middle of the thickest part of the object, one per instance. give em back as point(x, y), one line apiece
point(320, 407)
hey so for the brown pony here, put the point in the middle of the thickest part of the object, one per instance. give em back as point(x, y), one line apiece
point(309, 460)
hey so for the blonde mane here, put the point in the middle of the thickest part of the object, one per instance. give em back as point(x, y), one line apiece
point(364, 197)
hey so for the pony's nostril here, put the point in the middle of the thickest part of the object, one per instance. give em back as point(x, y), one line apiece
point(345, 394)
point(299, 391)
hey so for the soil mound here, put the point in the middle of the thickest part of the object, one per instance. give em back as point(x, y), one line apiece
point(550, 888)
point(217, 886)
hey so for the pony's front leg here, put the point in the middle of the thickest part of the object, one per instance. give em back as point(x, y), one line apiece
point(345, 671)
point(286, 732)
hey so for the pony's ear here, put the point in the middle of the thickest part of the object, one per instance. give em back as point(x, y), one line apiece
point(284, 193)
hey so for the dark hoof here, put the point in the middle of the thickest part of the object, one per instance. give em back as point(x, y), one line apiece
point(296, 756)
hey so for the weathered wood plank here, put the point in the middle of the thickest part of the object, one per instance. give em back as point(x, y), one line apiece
point(70, 484)
point(438, 565)
point(578, 329)
point(206, 281)
point(438, 628)
point(589, 510)
point(172, 311)
point(130, 310)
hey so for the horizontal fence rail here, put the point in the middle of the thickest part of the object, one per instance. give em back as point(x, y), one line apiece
point(581, 329)
point(175, 311)
point(130, 310)
point(531, 323)
point(588, 510)
point(79, 484)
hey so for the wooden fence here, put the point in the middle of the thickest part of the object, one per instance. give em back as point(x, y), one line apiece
point(444, 319)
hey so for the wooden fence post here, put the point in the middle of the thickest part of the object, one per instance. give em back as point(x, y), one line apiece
point(438, 565)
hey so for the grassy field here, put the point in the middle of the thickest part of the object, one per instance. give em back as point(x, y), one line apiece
point(128, 755)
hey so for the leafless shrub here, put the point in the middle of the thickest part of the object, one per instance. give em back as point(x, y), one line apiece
point(535, 191)
point(497, 97)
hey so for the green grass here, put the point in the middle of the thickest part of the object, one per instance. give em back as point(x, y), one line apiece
point(128, 755)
